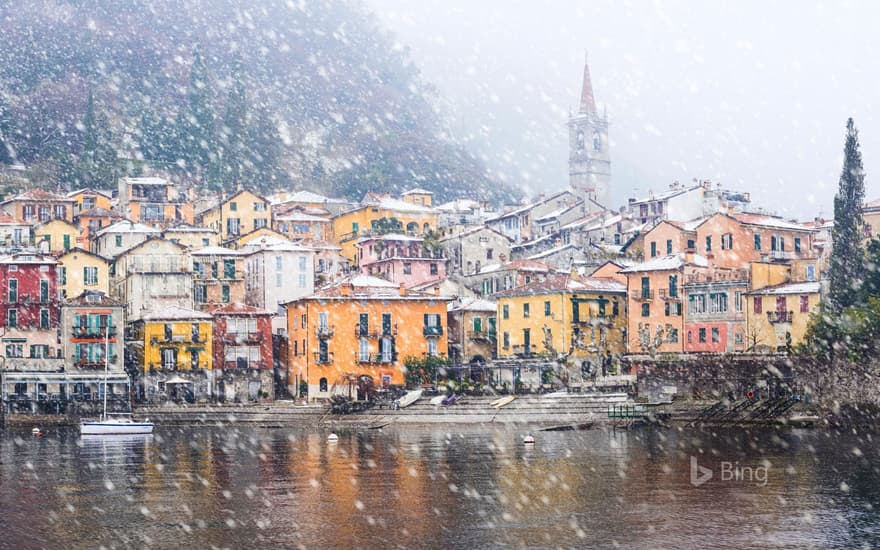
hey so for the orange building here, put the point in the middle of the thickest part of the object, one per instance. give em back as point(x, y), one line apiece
point(93, 220)
point(363, 329)
point(155, 201)
point(38, 205)
point(735, 240)
point(655, 312)
point(670, 237)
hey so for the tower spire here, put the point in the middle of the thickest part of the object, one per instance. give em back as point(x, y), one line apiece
point(588, 102)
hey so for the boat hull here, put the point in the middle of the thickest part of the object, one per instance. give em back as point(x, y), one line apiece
point(114, 428)
point(409, 398)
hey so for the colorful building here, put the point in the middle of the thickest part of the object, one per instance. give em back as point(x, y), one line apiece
point(155, 201)
point(37, 206)
point(80, 271)
point(153, 275)
point(298, 224)
point(243, 353)
point(218, 275)
point(400, 259)
point(14, 232)
point(56, 236)
point(192, 236)
point(237, 215)
point(361, 329)
point(171, 350)
point(350, 226)
point(87, 199)
point(276, 274)
point(115, 239)
point(735, 240)
point(492, 278)
point(93, 220)
point(472, 334)
point(715, 318)
point(92, 326)
point(778, 315)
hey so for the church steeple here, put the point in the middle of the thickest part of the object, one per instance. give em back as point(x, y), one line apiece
point(588, 101)
point(589, 161)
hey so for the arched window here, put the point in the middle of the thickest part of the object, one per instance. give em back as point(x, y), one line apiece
point(580, 141)
point(322, 384)
point(597, 141)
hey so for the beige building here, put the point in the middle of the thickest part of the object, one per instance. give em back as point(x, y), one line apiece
point(218, 276)
point(191, 236)
point(238, 215)
point(114, 239)
point(470, 250)
point(153, 275)
point(80, 270)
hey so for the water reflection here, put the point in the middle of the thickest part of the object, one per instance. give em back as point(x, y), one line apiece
point(474, 487)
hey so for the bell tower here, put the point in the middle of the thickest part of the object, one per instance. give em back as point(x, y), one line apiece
point(589, 161)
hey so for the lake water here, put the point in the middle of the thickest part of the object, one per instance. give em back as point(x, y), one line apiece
point(447, 487)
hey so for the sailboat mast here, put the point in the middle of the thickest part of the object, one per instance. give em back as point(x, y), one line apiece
point(106, 363)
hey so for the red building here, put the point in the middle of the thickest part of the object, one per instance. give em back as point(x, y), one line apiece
point(243, 351)
point(29, 292)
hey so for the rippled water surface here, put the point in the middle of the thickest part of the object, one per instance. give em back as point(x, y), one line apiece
point(439, 488)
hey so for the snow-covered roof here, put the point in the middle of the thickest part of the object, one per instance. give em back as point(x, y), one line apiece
point(666, 263)
point(174, 313)
point(389, 203)
point(300, 217)
point(391, 237)
point(184, 228)
point(809, 287)
point(518, 265)
point(107, 194)
point(558, 212)
point(217, 251)
point(458, 205)
point(301, 196)
point(768, 221)
point(276, 246)
point(552, 251)
point(128, 226)
point(666, 194)
point(471, 231)
point(417, 191)
point(472, 304)
point(146, 180)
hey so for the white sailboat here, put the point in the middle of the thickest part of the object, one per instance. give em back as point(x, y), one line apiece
point(117, 423)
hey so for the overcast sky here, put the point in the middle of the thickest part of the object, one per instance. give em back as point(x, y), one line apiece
point(752, 94)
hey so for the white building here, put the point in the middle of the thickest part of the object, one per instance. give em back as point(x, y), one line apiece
point(120, 236)
point(277, 272)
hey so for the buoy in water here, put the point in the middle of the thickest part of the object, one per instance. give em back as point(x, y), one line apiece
point(37, 432)
point(529, 440)
point(332, 438)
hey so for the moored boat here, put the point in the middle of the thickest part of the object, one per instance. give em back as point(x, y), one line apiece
point(116, 424)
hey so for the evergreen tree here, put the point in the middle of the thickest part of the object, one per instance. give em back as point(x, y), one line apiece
point(847, 262)
point(196, 127)
point(97, 161)
point(7, 152)
point(265, 151)
point(233, 135)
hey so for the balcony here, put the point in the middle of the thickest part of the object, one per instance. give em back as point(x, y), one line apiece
point(100, 333)
point(33, 364)
point(523, 350)
point(641, 295)
point(178, 339)
point(376, 358)
point(243, 338)
point(324, 359)
point(85, 364)
point(243, 365)
point(432, 330)
point(482, 335)
point(780, 316)
point(325, 331)
point(669, 296)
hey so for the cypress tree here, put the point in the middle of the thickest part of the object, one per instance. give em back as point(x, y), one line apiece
point(847, 261)
point(197, 126)
point(234, 132)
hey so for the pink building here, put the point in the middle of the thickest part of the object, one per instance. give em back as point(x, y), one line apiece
point(400, 259)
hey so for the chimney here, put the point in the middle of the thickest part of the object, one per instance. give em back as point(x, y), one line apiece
point(345, 289)
point(402, 290)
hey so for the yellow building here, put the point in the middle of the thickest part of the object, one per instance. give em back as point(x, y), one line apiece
point(87, 199)
point(265, 233)
point(174, 354)
point(563, 317)
point(349, 226)
point(80, 270)
point(238, 215)
point(777, 316)
point(56, 236)
point(361, 330)
point(191, 236)
point(422, 197)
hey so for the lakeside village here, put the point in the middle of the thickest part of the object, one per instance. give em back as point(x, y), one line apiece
point(172, 296)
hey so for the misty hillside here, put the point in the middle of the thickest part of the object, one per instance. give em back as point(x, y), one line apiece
point(277, 95)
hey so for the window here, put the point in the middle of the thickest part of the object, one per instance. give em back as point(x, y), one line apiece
point(432, 347)
point(653, 249)
point(28, 212)
point(40, 351)
point(229, 269)
point(702, 336)
point(673, 309)
point(669, 246)
point(489, 253)
point(708, 243)
point(14, 351)
point(200, 294)
point(363, 324)
point(673, 286)
point(646, 287)
point(601, 307)
point(738, 300)
point(759, 304)
point(12, 318)
point(259, 207)
point(44, 213)
point(526, 310)
point(696, 304)
point(323, 321)
point(811, 273)
point(727, 241)
point(434, 269)
point(90, 276)
point(690, 337)
point(738, 338)
point(224, 292)
point(233, 226)
point(387, 350)
point(505, 340)
point(478, 324)
point(691, 244)
point(13, 290)
point(118, 240)
point(773, 243)
point(322, 384)
point(169, 358)
point(615, 309)
point(259, 223)
point(782, 244)
point(805, 304)
point(757, 241)
point(718, 302)
point(407, 268)
point(206, 242)
point(673, 335)
point(666, 309)
point(716, 335)
point(797, 244)
point(62, 276)
point(386, 324)
point(505, 312)
point(646, 310)
point(44, 291)
point(324, 350)
point(194, 331)
point(233, 206)
point(304, 320)
point(546, 309)
point(44, 318)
